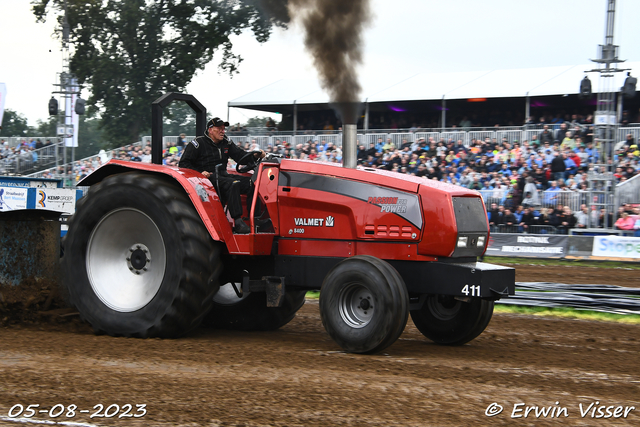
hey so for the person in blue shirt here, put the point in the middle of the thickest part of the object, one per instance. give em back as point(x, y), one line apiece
point(571, 166)
point(550, 196)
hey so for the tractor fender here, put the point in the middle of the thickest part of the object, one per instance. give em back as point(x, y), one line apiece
point(199, 189)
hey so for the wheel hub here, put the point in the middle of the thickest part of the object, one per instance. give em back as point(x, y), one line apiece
point(443, 307)
point(356, 305)
point(139, 258)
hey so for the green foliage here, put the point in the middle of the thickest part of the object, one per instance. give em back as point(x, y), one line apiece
point(129, 53)
point(46, 128)
point(14, 124)
point(257, 122)
point(179, 118)
point(570, 313)
point(90, 138)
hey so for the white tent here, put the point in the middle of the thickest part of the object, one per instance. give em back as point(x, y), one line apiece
point(299, 95)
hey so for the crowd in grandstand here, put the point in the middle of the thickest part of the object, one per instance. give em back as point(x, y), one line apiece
point(23, 156)
point(524, 183)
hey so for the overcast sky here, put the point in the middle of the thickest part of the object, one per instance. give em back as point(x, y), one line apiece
point(405, 37)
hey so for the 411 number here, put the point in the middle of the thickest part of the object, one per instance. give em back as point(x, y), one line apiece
point(474, 290)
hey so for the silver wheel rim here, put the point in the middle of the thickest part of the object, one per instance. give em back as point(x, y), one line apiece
point(227, 296)
point(356, 305)
point(443, 308)
point(126, 259)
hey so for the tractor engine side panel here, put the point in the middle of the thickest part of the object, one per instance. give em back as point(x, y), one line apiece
point(323, 207)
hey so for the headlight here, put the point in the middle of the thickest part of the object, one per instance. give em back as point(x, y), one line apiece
point(462, 241)
point(481, 241)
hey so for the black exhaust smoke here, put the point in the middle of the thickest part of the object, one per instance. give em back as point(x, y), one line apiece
point(333, 37)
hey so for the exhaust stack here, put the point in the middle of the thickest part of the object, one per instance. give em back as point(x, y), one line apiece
point(349, 146)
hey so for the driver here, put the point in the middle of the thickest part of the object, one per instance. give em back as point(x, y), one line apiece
point(205, 153)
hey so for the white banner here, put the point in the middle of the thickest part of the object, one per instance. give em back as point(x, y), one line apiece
point(616, 247)
point(3, 95)
point(72, 120)
point(56, 199)
point(12, 198)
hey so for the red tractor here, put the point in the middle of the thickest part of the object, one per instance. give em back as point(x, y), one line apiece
point(150, 252)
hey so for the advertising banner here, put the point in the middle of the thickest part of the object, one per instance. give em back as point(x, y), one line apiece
point(12, 198)
point(18, 181)
point(616, 247)
point(56, 199)
point(527, 245)
point(72, 120)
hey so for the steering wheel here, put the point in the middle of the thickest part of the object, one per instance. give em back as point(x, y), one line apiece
point(248, 162)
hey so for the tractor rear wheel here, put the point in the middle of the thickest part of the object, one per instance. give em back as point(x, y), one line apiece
point(364, 304)
point(250, 313)
point(138, 260)
point(449, 321)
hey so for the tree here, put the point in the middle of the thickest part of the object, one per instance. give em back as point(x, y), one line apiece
point(90, 137)
point(128, 53)
point(257, 122)
point(14, 124)
point(179, 118)
point(48, 128)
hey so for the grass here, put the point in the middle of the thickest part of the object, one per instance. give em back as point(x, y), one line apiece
point(565, 263)
point(313, 295)
point(569, 313)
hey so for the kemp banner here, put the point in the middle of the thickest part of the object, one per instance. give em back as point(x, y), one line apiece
point(527, 245)
point(56, 199)
point(616, 247)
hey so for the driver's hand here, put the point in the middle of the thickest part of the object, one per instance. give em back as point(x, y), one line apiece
point(206, 174)
point(260, 155)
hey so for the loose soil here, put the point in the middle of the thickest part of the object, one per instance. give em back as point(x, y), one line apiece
point(297, 376)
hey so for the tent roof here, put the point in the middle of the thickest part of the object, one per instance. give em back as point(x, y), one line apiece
point(513, 83)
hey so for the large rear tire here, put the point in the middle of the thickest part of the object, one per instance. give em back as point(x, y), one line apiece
point(449, 321)
point(364, 304)
point(138, 260)
point(250, 313)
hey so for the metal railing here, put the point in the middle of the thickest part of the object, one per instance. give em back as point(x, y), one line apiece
point(15, 141)
point(546, 198)
point(21, 162)
point(628, 191)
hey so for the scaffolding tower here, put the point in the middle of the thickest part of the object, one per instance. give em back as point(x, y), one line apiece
point(600, 176)
point(69, 91)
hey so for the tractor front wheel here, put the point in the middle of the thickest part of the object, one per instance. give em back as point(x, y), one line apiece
point(364, 304)
point(450, 321)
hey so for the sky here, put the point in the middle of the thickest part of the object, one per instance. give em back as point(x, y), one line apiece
point(404, 38)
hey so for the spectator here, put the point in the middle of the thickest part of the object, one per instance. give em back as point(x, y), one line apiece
point(562, 132)
point(546, 135)
point(605, 219)
point(509, 218)
point(625, 222)
point(528, 219)
point(495, 216)
point(547, 217)
point(558, 166)
point(582, 217)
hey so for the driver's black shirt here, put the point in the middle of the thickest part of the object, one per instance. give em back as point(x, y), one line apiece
point(202, 154)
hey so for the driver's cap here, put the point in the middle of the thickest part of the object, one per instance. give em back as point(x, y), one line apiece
point(216, 121)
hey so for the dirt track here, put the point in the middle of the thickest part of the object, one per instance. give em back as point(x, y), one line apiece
point(298, 377)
